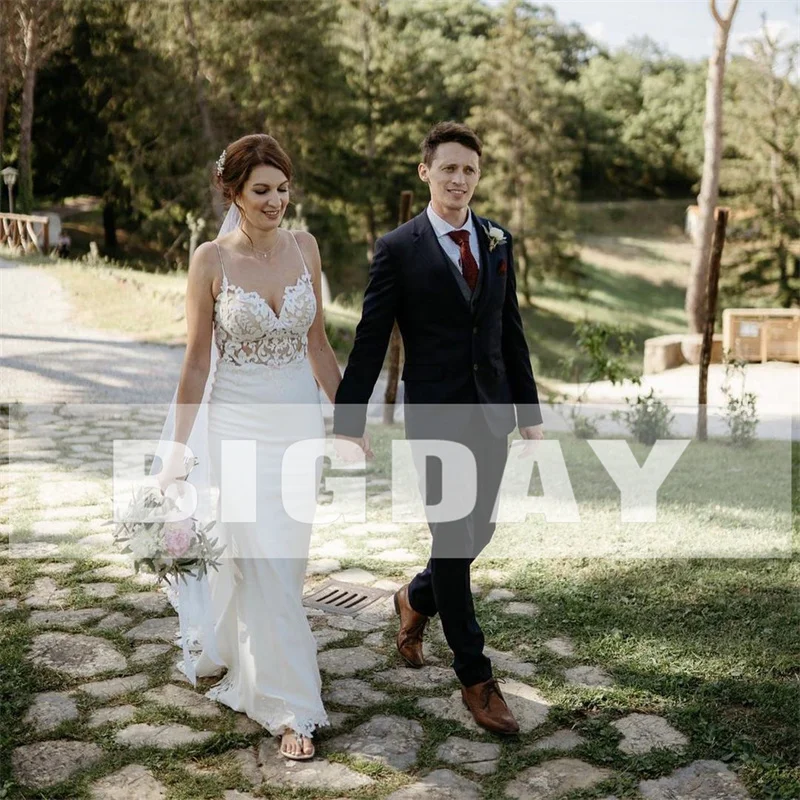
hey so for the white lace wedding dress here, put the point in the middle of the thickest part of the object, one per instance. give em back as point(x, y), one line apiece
point(264, 391)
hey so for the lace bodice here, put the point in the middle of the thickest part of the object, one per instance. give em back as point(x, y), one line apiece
point(248, 331)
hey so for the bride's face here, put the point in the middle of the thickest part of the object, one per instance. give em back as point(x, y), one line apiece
point(264, 197)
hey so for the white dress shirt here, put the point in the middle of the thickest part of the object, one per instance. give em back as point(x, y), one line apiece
point(442, 227)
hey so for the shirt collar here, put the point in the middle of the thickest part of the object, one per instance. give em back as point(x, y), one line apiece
point(442, 227)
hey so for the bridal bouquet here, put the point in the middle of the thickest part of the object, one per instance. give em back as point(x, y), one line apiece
point(168, 549)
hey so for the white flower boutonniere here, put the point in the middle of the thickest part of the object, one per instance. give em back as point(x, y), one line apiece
point(496, 236)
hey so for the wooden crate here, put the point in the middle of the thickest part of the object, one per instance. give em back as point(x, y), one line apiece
point(762, 334)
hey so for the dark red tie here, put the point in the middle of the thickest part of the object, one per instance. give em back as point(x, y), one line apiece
point(468, 263)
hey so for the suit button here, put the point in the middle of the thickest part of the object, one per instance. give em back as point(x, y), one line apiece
point(474, 367)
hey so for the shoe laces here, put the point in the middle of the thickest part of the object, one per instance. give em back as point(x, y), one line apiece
point(491, 688)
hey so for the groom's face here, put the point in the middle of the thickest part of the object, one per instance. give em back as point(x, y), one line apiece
point(452, 176)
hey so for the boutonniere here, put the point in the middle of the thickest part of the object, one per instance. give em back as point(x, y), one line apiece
point(496, 236)
point(501, 267)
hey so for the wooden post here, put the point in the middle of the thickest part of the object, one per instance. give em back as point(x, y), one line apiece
point(395, 343)
point(711, 310)
point(46, 237)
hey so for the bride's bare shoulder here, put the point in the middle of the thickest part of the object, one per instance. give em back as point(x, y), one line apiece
point(308, 245)
point(204, 252)
point(305, 238)
point(204, 266)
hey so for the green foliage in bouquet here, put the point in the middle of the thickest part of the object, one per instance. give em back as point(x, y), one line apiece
point(168, 549)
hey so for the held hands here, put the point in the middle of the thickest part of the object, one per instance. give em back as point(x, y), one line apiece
point(346, 453)
point(531, 433)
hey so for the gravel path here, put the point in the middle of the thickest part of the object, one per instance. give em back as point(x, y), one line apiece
point(46, 358)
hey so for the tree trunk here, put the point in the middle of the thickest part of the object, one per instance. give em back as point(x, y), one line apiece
point(372, 231)
point(3, 102)
point(209, 134)
point(5, 76)
point(25, 196)
point(396, 340)
point(522, 262)
point(708, 332)
point(37, 29)
point(709, 184)
point(110, 226)
point(367, 57)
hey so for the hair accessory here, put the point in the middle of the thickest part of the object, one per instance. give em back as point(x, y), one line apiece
point(221, 162)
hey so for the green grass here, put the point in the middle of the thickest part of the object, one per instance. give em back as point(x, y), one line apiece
point(710, 644)
point(633, 282)
point(649, 218)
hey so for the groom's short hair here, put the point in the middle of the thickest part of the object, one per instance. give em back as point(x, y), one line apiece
point(443, 132)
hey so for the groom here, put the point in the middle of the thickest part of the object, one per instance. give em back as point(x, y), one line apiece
point(447, 277)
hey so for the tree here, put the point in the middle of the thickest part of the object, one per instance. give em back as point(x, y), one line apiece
point(209, 134)
point(641, 114)
point(408, 64)
point(5, 73)
point(709, 184)
point(38, 28)
point(253, 66)
point(530, 162)
point(764, 173)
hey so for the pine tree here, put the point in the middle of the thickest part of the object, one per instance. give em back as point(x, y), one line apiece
point(530, 162)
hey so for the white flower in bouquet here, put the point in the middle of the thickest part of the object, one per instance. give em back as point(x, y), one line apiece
point(167, 548)
point(145, 544)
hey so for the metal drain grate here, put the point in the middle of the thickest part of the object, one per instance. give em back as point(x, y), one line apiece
point(336, 597)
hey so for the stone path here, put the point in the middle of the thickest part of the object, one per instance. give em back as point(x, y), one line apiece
point(118, 692)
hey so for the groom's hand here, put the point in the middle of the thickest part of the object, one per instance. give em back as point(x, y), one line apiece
point(346, 453)
point(531, 433)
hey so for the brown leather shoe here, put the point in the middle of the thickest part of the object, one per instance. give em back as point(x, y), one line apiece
point(412, 625)
point(489, 708)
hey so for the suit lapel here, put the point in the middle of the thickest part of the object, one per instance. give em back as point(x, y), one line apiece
point(431, 252)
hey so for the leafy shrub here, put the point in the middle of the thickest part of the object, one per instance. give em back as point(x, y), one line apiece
point(648, 418)
point(740, 407)
point(602, 353)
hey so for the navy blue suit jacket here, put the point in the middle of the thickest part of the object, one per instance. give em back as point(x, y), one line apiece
point(457, 351)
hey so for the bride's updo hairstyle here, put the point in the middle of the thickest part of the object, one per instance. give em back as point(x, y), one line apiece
point(240, 158)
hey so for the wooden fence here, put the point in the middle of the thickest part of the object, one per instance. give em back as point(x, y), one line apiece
point(20, 231)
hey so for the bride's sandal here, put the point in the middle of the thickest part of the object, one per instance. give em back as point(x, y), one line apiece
point(299, 739)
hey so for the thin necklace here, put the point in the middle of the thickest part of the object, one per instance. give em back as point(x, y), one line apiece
point(268, 252)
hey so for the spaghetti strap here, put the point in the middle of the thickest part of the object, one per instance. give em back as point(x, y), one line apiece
point(221, 263)
point(305, 266)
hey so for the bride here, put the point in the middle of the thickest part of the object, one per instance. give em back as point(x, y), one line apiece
point(256, 353)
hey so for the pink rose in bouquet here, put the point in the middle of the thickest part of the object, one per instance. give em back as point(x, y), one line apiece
point(178, 537)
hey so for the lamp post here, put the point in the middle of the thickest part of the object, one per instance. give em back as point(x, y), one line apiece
point(10, 178)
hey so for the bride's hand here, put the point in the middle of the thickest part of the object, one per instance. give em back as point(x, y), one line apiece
point(171, 471)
